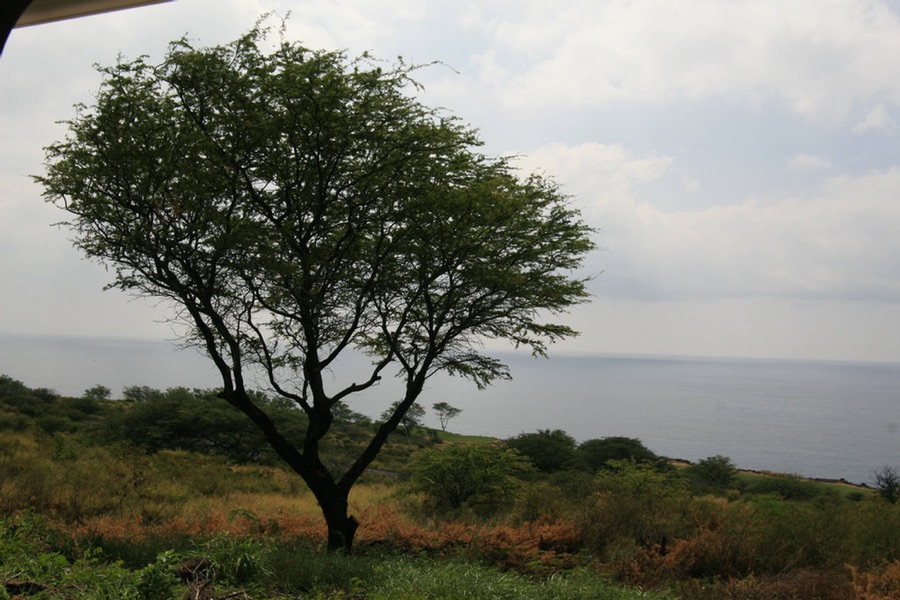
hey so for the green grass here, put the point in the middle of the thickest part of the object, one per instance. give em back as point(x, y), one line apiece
point(447, 436)
point(794, 487)
point(358, 577)
point(411, 579)
point(107, 503)
point(267, 570)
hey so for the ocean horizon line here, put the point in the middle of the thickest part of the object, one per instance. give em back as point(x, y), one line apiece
point(178, 345)
point(815, 418)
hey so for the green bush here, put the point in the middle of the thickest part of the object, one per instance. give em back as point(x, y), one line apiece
point(31, 550)
point(97, 392)
point(299, 570)
point(716, 472)
point(597, 453)
point(480, 477)
point(156, 580)
point(549, 451)
point(237, 560)
point(10, 387)
point(199, 421)
point(55, 424)
point(887, 482)
point(637, 505)
point(788, 487)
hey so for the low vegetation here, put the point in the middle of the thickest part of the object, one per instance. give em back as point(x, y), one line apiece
point(105, 498)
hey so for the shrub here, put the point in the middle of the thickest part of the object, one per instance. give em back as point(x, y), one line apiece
point(296, 570)
point(480, 477)
point(237, 560)
point(879, 584)
point(887, 482)
point(55, 424)
point(637, 506)
point(800, 534)
point(597, 453)
point(538, 500)
point(799, 584)
point(789, 487)
point(156, 580)
point(549, 451)
point(716, 472)
point(12, 387)
point(97, 392)
point(198, 421)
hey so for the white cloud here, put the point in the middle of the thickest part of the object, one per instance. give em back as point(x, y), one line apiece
point(598, 174)
point(690, 184)
point(818, 63)
point(808, 162)
point(690, 257)
point(838, 242)
point(876, 119)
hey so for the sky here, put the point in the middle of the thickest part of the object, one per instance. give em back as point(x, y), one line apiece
point(739, 159)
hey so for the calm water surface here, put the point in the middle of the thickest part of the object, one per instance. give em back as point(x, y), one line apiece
point(833, 420)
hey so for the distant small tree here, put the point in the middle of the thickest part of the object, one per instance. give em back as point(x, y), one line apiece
point(549, 450)
point(140, 393)
point(445, 412)
point(598, 453)
point(887, 482)
point(12, 387)
point(790, 487)
point(478, 476)
point(97, 392)
point(342, 412)
point(410, 420)
point(716, 471)
point(45, 394)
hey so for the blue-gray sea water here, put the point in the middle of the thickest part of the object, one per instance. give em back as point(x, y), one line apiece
point(816, 419)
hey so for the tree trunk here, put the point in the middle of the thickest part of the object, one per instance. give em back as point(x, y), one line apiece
point(341, 526)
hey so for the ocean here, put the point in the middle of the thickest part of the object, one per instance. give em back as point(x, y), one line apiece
point(815, 419)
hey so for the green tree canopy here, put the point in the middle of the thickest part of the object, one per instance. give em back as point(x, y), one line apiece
point(717, 472)
point(200, 421)
point(445, 413)
point(293, 204)
point(887, 482)
point(97, 392)
point(598, 453)
point(140, 393)
point(478, 476)
point(550, 451)
point(411, 419)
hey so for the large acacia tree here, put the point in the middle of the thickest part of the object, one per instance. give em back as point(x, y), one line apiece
point(293, 205)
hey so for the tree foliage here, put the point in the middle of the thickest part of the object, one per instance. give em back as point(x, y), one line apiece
point(598, 453)
point(887, 482)
point(140, 393)
point(445, 413)
point(97, 392)
point(548, 450)
point(480, 477)
point(293, 205)
point(411, 419)
point(716, 472)
point(200, 421)
point(23, 408)
point(639, 503)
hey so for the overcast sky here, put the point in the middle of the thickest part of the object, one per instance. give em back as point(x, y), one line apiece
point(740, 159)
